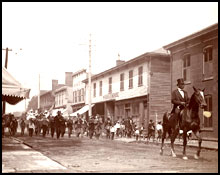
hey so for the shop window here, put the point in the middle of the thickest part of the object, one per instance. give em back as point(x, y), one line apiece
point(186, 68)
point(135, 109)
point(208, 62)
point(208, 121)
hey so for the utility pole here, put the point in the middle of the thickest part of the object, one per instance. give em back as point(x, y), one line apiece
point(89, 94)
point(38, 107)
point(6, 66)
point(90, 109)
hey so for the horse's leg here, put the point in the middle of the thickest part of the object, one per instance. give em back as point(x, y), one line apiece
point(184, 144)
point(173, 137)
point(162, 143)
point(198, 136)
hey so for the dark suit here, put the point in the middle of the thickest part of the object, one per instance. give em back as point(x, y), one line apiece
point(177, 99)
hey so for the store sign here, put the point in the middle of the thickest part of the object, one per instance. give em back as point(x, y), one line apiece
point(111, 96)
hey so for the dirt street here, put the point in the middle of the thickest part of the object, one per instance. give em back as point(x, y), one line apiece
point(92, 155)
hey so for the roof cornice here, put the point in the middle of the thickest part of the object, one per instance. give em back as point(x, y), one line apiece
point(192, 36)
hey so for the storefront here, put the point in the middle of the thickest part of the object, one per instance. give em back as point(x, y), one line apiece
point(136, 108)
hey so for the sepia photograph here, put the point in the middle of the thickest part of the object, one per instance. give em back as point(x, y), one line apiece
point(109, 87)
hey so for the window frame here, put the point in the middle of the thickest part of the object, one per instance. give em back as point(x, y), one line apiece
point(122, 77)
point(204, 62)
point(110, 85)
point(130, 84)
point(186, 67)
point(82, 95)
point(208, 122)
point(94, 89)
point(140, 76)
point(100, 88)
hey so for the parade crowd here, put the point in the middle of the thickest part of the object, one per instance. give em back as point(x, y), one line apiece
point(56, 126)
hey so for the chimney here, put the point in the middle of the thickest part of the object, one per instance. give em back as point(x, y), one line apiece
point(118, 61)
point(69, 79)
point(54, 84)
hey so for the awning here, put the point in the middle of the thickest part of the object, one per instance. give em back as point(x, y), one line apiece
point(82, 110)
point(12, 90)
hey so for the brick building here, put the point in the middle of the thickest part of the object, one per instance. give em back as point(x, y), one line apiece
point(195, 58)
point(47, 98)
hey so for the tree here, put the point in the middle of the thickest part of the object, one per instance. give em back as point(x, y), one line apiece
point(33, 104)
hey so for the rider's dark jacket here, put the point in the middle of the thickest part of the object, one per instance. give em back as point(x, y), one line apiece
point(177, 98)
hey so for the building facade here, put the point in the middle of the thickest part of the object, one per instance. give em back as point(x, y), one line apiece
point(64, 98)
point(47, 98)
point(78, 89)
point(138, 88)
point(195, 59)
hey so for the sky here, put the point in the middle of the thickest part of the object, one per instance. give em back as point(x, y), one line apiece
point(51, 38)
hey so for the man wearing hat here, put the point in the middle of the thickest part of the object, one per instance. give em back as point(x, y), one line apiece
point(179, 98)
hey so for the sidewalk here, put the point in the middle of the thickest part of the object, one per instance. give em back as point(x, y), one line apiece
point(211, 145)
point(17, 158)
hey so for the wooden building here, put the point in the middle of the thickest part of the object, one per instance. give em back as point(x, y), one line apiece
point(138, 88)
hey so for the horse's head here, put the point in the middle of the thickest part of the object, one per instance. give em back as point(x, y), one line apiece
point(199, 97)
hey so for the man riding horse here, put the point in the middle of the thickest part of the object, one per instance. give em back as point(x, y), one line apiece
point(179, 99)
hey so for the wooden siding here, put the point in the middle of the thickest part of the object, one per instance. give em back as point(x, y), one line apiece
point(160, 91)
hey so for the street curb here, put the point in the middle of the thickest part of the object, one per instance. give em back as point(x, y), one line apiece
point(21, 141)
point(145, 142)
point(177, 144)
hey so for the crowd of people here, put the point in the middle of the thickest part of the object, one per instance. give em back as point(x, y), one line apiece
point(95, 126)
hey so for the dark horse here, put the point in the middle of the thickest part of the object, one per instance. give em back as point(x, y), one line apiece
point(189, 121)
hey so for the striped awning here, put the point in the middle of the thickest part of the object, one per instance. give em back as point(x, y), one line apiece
point(12, 90)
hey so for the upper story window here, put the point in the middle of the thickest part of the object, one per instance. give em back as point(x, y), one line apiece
point(140, 76)
point(56, 103)
point(100, 88)
point(208, 121)
point(75, 96)
point(94, 89)
point(122, 82)
point(130, 79)
point(62, 98)
point(110, 85)
point(79, 95)
point(186, 67)
point(82, 94)
point(59, 99)
point(208, 62)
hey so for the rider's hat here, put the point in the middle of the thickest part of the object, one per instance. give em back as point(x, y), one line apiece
point(180, 81)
